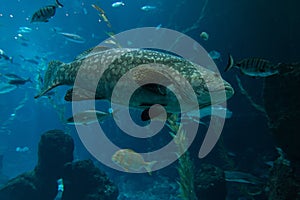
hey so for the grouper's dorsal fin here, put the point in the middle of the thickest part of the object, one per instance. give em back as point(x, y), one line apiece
point(50, 79)
point(91, 50)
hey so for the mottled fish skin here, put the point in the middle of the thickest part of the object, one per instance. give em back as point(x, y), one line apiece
point(119, 61)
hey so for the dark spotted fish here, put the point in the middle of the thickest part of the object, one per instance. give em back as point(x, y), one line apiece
point(255, 67)
point(116, 62)
point(45, 13)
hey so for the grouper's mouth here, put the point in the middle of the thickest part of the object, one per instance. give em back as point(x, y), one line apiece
point(222, 89)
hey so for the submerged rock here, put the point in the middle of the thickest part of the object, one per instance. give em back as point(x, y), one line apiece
point(55, 156)
point(282, 104)
point(84, 181)
point(210, 183)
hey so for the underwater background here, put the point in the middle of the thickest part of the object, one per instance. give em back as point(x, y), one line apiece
point(265, 29)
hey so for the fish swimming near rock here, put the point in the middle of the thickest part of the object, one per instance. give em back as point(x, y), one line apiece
point(131, 161)
point(116, 62)
point(45, 13)
point(255, 67)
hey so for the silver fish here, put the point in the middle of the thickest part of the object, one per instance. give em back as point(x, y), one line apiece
point(148, 8)
point(45, 13)
point(123, 60)
point(88, 117)
point(71, 36)
point(255, 67)
point(242, 177)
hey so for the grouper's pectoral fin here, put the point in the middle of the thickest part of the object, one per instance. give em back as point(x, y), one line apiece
point(79, 94)
point(51, 80)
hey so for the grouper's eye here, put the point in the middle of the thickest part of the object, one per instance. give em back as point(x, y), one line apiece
point(217, 75)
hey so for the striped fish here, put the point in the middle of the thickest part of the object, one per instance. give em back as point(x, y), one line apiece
point(45, 13)
point(255, 67)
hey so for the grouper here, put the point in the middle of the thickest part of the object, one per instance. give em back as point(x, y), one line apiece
point(159, 75)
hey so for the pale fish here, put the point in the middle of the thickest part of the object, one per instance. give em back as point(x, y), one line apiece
point(24, 29)
point(88, 117)
point(117, 4)
point(131, 161)
point(148, 8)
point(71, 36)
point(214, 110)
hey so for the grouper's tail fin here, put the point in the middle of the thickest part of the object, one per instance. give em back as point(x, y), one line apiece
point(50, 79)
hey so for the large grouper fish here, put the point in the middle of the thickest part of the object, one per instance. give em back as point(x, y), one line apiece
point(145, 67)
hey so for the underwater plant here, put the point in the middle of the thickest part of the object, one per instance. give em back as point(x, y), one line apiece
point(186, 166)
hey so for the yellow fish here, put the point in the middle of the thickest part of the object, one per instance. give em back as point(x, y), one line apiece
point(130, 160)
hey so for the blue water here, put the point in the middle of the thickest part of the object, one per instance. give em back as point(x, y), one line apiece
point(246, 28)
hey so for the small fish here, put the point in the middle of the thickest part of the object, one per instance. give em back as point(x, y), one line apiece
point(14, 79)
point(215, 110)
point(19, 81)
point(242, 177)
point(11, 76)
point(255, 67)
point(88, 117)
point(45, 13)
point(204, 36)
point(6, 88)
point(130, 160)
point(215, 55)
point(117, 4)
point(4, 58)
point(102, 15)
point(22, 149)
point(71, 36)
point(32, 61)
point(148, 8)
point(60, 189)
point(24, 29)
